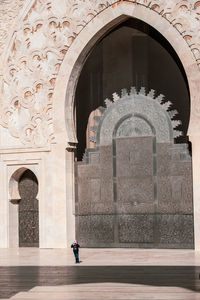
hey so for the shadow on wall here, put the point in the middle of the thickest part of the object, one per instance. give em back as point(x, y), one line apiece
point(17, 279)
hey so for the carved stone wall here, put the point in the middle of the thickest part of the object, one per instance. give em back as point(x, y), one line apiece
point(38, 45)
point(135, 188)
point(9, 10)
point(141, 198)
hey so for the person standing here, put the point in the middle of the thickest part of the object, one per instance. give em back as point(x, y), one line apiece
point(76, 247)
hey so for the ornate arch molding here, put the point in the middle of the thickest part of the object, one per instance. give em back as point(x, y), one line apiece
point(14, 195)
point(48, 49)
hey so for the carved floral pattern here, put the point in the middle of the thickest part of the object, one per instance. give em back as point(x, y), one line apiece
point(9, 9)
point(38, 49)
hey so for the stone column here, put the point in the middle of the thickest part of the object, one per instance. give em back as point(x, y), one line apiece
point(70, 198)
point(196, 188)
point(58, 220)
point(4, 207)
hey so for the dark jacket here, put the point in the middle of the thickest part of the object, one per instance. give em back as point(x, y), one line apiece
point(75, 247)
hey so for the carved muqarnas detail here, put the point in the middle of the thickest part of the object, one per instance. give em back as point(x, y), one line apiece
point(39, 44)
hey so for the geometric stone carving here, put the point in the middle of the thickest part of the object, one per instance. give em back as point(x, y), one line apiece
point(38, 46)
point(136, 114)
point(134, 126)
point(136, 183)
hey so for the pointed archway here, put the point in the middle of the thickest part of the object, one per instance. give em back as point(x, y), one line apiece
point(28, 210)
point(23, 209)
point(73, 63)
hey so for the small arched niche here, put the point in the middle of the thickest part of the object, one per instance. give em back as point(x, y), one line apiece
point(23, 209)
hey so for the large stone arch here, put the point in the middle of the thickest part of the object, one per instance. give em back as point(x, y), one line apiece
point(76, 55)
point(102, 23)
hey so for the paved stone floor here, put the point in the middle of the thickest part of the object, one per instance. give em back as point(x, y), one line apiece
point(102, 274)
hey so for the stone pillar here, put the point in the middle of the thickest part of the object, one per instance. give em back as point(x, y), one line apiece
point(53, 210)
point(196, 188)
point(4, 207)
point(58, 221)
point(70, 198)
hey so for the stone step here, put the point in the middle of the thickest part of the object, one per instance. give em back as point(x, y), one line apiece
point(109, 287)
point(105, 295)
point(99, 291)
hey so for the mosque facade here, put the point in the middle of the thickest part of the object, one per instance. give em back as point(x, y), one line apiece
point(58, 65)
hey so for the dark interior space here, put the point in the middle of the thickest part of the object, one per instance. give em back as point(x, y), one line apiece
point(132, 54)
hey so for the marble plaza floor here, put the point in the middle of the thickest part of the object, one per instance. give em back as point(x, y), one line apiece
point(118, 274)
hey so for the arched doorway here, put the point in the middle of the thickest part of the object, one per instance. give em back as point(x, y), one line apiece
point(133, 54)
point(23, 209)
point(28, 210)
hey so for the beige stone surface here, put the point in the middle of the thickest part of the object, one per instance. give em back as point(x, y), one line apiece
point(9, 10)
point(126, 287)
point(99, 257)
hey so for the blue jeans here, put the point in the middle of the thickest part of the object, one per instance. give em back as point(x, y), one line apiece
point(76, 257)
